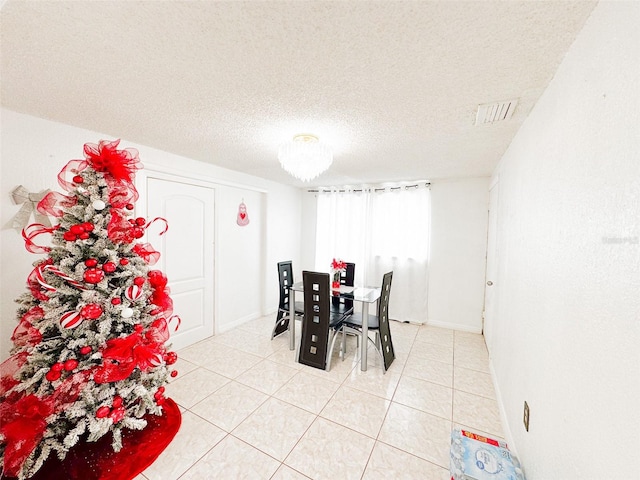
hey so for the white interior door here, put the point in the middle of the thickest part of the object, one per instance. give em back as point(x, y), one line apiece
point(491, 288)
point(187, 253)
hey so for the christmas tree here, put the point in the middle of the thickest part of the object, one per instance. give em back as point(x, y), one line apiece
point(89, 355)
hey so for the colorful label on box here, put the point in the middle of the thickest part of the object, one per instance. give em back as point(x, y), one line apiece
point(476, 457)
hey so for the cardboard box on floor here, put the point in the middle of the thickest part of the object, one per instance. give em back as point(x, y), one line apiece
point(476, 457)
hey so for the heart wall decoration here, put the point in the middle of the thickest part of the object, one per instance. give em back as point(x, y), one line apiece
point(243, 216)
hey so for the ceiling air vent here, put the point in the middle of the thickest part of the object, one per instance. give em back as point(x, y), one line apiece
point(495, 112)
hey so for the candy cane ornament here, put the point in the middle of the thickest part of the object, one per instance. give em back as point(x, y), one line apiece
point(39, 276)
point(71, 281)
point(178, 319)
point(71, 319)
point(133, 293)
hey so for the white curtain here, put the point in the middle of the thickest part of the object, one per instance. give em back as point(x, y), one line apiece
point(380, 229)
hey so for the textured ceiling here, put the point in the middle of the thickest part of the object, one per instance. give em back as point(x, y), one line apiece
point(392, 86)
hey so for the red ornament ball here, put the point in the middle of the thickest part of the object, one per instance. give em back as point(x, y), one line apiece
point(52, 375)
point(140, 221)
point(91, 262)
point(88, 226)
point(124, 261)
point(93, 275)
point(129, 206)
point(103, 411)
point(109, 267)
point(85, 350)
point(116, 301)
point(117, 414)
point(70, 364)
point(78, 179)
point(69, 236)
point(57, 367)
point(117, 401)
point(174, 373)
point(84, 236)
point(138, 232)
point(91, 311)
point(171, 358)
point(139, 281)
point(76, 229)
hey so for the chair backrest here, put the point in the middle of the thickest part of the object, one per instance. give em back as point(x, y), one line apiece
point(347, 278)
point(388, 353)
point(349, 275)
point(285, 275)
point(314, 337)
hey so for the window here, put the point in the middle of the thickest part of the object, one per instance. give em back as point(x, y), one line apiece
point(380, 229)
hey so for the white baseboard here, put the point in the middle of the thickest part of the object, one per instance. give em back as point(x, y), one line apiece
point(236, 323)
point(508, 437)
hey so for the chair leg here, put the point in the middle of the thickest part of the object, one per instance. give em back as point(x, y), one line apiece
point(332, 342)
point(378, 346)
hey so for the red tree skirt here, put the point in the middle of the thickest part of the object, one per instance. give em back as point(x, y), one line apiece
point(98, 461)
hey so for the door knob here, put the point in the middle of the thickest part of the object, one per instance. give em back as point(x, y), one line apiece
point(489, 283)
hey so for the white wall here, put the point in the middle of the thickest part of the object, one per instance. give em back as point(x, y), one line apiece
point(569, 262)
point(457, 259)
point(307, 235)
point(34, 150)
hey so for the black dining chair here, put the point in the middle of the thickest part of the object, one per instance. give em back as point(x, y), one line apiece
point(319, 323)
point(378, 323)
point(343, 305)
point(285, 276)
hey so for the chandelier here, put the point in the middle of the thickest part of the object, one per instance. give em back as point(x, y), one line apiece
point(305, 157)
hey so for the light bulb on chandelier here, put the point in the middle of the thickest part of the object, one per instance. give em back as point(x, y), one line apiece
point(305, 157)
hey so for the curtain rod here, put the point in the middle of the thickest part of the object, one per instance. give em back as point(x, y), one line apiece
point(373, 189)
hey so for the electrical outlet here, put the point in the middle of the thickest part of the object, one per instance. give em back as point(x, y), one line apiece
point(525, 418)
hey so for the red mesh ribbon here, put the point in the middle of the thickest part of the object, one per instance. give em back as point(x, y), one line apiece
point(23, 419)
point(122, 355)
point(147, 252)
point(158, 332)
point(118, 167)
point(105, 157)
point(31, 232)
point(23, 423)
point(120, 193)
point(69, 390)
point(160, 292)
point(8, 369)
point(71, 169)
point(25, 334)
point(53, 204)
point(98, 461)
point(119, 229)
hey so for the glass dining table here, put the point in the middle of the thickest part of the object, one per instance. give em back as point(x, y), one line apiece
point(364, 295)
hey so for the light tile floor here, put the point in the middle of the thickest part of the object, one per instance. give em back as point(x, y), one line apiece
point(250, 411)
